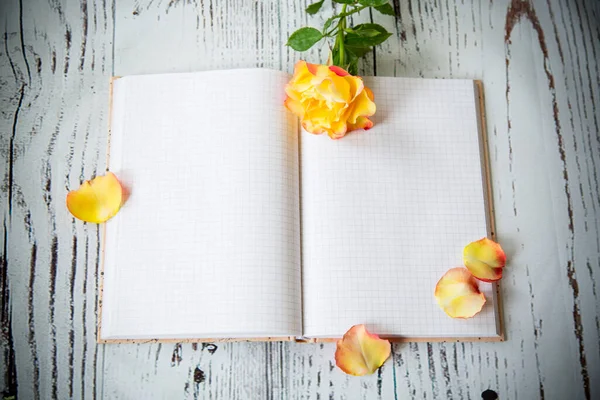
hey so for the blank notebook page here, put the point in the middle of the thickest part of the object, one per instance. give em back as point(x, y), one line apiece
point(207, 245)
point(386, 212)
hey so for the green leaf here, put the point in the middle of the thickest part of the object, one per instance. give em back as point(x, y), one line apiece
point(369, 26)
point(304, 38)
point(373, 3)
point(350, 56)
point(353, 67)
point(315, 7)
point(344, 1)
point(386, 9)
point(366, 32)
point(365, 35)
point(358, 51)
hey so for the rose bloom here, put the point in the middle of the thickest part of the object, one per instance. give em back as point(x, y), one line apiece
point(328, 99)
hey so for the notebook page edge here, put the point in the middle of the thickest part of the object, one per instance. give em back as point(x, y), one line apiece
point(112, 148)
point(488, 194)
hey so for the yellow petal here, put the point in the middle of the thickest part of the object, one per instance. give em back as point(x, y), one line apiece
point(360, 352)
point(369, 94)
point(338, 130)
point(458, 295)
point(304, 73)
point(333, 89)
point(484, 259)
point(362, 106)
point(97, 200)
point(294, 106)
point(361, 123)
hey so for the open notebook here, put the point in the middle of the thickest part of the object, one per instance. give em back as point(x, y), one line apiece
point(240, 225)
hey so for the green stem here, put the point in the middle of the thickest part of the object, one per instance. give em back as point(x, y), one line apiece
point(356, 10)
point(330, 32)
point(340, 36)
point(341, 15)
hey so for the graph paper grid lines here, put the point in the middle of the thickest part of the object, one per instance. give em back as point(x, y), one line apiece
point(386, 212)
point(207, 245)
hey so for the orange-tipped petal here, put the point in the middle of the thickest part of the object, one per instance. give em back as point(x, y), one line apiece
point(97, 200)
point(361, 123)
point(360, 352)
point(338, 70)
point(458, 295)
point(312, 68)
point(484, 259)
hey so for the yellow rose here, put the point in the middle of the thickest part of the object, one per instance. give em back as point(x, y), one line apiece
point(328, 99)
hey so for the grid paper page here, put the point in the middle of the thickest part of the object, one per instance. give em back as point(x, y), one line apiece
point(385, 213)
point(207, 244)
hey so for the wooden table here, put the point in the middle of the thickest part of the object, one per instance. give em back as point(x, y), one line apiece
point(540, 67)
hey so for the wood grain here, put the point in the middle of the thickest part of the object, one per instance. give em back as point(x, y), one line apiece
point(539, 64)
point(55, 62)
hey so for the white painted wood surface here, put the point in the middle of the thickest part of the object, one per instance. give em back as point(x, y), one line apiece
point(539, 64)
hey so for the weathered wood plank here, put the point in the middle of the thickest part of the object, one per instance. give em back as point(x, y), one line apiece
point(539, 63)
point(56, 59)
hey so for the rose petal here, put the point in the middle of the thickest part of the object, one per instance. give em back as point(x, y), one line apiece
point(361, 123)
point(338, 70)
point(97, 200)
point(484, 259)
point(457, 293)
point(369, 94)
point(294, 106)
point(313, 68)
point(360, 352)
point(362, 105)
